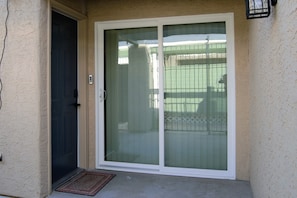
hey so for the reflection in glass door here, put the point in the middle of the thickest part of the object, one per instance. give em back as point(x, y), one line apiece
point(131, 91)
point(195, 101)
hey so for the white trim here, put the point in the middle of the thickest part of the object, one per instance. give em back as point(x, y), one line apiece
point(155, 169)
point(135, 23)
point(228, 18)
point(231, 95)
point(161, 99)
point(99, 71)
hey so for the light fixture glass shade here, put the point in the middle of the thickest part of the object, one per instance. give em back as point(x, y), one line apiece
point(257, 8)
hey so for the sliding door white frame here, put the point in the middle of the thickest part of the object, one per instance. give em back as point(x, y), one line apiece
point(231, 125)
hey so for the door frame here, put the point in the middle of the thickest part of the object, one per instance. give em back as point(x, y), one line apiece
point(228, 18)
point(82, 144)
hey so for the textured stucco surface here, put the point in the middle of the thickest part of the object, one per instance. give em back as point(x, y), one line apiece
point(23, 117)
point(273, 124)
point(134, 9)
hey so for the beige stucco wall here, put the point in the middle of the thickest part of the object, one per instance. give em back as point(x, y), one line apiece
point(134, 9)
point(273, 124)
point(24, 117)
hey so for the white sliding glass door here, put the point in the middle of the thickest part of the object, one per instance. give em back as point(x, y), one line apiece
point(163, 101)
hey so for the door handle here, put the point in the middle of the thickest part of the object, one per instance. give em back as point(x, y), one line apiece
point(76, 104)
point(102, 95)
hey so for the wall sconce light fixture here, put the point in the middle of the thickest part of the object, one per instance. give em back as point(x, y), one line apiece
point(258, 8)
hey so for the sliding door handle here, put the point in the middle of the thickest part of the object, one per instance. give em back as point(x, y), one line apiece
point(102, 95)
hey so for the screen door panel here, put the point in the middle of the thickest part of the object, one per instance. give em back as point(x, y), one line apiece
point(195, 98)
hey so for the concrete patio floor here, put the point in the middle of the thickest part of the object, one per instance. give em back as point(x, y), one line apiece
point(138, 185)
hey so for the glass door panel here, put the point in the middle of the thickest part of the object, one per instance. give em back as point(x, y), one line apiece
point(195, 98)
point(131, 84)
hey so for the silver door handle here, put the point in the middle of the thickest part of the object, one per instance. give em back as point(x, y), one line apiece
point(102, 95)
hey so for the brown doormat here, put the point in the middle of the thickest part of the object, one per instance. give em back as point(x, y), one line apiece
point(86, 183)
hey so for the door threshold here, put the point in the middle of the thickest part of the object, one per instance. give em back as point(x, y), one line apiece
point(66, 178)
